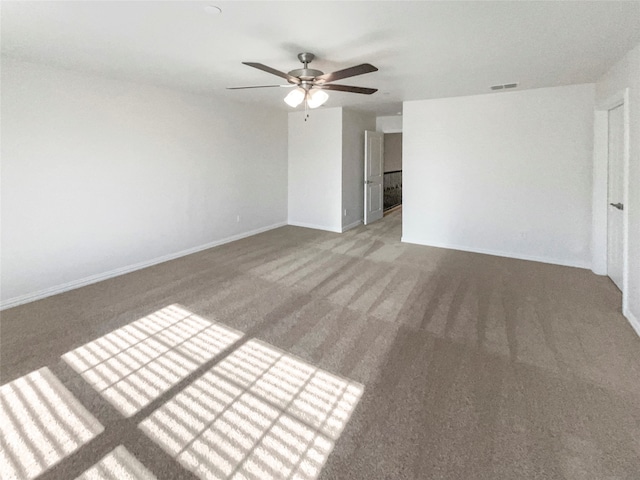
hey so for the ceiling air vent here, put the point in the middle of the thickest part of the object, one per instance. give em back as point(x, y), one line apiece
point(504, 86)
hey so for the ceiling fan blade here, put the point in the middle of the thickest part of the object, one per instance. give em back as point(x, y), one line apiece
point(347, 72)
point(273, 71)
point(261, 86)
point(347, 88)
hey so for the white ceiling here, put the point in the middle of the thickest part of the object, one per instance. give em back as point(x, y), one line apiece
point(422, 49)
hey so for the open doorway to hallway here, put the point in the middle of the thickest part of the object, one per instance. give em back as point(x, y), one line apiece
point(383, 170)
point(392, 183)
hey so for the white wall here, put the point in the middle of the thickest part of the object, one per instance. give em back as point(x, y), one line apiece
point(626, 74)
point(389, 124)
point(353, 126)
point(506, 173)
point(315, 169)
point(100, 176)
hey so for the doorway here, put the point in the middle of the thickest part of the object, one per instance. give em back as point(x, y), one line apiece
point(392, 186)
point(382, 174)
point(615, 194)
point(610, 236)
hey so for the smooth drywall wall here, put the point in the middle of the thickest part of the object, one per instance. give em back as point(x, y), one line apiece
point(315, 169)
point(392, 152)
point(354, 125)
point(100, 176)
point(506, 173)
point(626, 74)
point(389, 124)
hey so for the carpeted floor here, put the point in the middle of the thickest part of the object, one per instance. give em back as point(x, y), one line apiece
point(305, 354)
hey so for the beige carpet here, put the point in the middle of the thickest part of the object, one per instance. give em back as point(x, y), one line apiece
point(306, 354)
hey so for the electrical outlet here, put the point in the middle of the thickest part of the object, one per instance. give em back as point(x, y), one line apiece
point(238, 219)
point(345, 212)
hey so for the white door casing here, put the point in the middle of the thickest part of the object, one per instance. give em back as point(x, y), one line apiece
point(615, 196)
point(373, 176)
point(601, 207)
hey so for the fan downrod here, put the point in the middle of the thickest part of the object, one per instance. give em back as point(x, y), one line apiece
point(306, 58)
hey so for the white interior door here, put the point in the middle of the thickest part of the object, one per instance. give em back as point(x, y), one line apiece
point(615, 195)
point(373, 176)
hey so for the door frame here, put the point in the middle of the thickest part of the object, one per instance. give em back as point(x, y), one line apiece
point(600, 189)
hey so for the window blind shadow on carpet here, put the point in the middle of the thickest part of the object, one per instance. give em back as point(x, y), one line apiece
point(220, 404)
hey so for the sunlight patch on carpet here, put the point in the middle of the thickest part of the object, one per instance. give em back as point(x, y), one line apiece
point(119, 464)
point(135, 364)
point(41, 423)
point(259, 413)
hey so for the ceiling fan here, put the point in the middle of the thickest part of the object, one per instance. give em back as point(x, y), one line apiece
point(310, 83)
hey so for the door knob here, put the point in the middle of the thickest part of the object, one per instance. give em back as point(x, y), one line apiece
point(619, 206)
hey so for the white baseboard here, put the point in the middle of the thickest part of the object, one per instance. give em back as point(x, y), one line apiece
point(352, 225)
point(633, 320)
point(532, 258)
point(315, 227)
point(65, 287)
point(326, 229)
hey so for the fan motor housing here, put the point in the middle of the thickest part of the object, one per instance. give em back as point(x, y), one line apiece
point(305, 73)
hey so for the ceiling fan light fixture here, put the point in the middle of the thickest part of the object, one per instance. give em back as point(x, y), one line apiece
point(295, 97)
point(316, 98)
point(310, 84)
